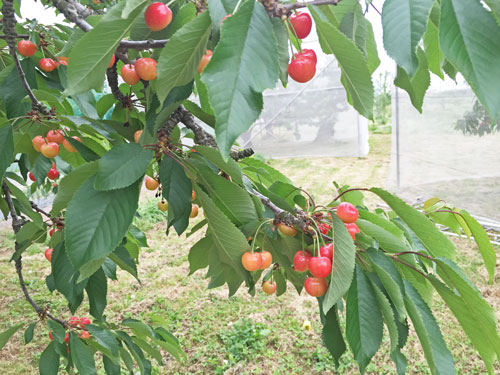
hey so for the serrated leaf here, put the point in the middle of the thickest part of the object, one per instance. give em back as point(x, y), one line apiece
point(6, 147)
point(281, 36)
point(437, 354)
point(344, 253)
point(122, 166)
point(435, 57)
point(371, 48)
point(181, 56)
point(435, 242)
point(387, 240)
point(7, 334)
point(155, 353)
point(41, 168)
point(96, 221)
point(332, 335)
point(470, 40)
point(230, 167)
point(243, 65)
point(356, 76)
point(82, 355)
point(123, 260)
point(199, 113)
point(363, 320)
point(198, 254)
point(104, 338)
point(92, 52)
point(97, 289)
point(49, 361)
point(110, 367)
point(404, 23)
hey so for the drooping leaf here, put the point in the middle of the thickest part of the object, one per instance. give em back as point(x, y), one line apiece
point(332, 335)
point(470, 40)
point(281, 35)
point(344, 253)
point(29, 332)
point(122, 166)
point(230, 167)
point(243, 65)
point(123, 260)
point(7, 334)
point(82, 355)
point(433, 53)
point(96, 221)
point(12, 92)
point(49, 361)
point(41, 168)
point(404, 23)
point(6, 147)
point(97, 289)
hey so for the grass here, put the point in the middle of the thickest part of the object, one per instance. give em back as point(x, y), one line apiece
point(239, 335)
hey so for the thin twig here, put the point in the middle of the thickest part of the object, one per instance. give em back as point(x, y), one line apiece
point(143, 44)
point(348, 190)
point(414, 253)
point(20, 36)
point(411, 267)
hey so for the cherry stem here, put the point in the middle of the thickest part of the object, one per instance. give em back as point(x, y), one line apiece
point(236, 7)
point(414, 253)
point(257, 232)
point(294, 34)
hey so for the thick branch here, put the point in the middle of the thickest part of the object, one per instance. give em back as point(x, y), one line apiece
point(70, 11)
point(20, 36)
point(112, 77)
point(276, 9)
point(143, 44)
point(9, 27)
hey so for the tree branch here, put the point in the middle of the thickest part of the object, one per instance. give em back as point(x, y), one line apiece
point(70, 11)
point(276, 9)
point(112, 77)
point(143, 44)
point(20, 36)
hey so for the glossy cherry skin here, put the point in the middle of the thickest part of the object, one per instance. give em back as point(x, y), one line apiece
point(194, 211)
point(50, 150)
point(31, 176)
point(145, 68)
point(320, 266)
point(26, 48)
point(163, 206)
point(301, 261)
point(48, 254)
point(38, 142)
point(151, 183)
point(205, 59)
point(112, 61)
point(47, 65)
point(315, 286)
point(347, 212)
point(51, 232)
point(324, 228)
point(286, 230)
point(267, 259)
point(302, 69)
point(308, 54)
point(84, 322)
point(53, 174)
point(137, 136)
point(352, 229)
point(327, 251)
point(84, 335)
point(55, 136)
point(301, 23)
point(129, 74)
point(74, 321)
point(269, 287)
point(68, 146)
point(157, 16)
point(251, 261)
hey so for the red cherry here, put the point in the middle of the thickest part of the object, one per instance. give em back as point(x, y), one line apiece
point(251, 261)
point(32, 177)
point(315, 286)
point(26, 48)
point(74, 321)
point(267, 259)
point(84, 322)
point(48, 254)
point(53, 174)
point(157, 16)
point(347, 212)
point(301, 261)
point(66, 338)
point(68, 146)
point(320, 266)
point(145, 68)
point(302, 69)
point(269, 287)
point(51, 231)
point(37, 142)
point(324, 228)
point(151, 183)
point(129, 74)
point(205, 59)
point(112, 61)
point(50, 336)
point(56, 136)
point(327, 251)
point(301, 23)
point(50, 150)
point(63, 62)
point(84, 335)
point(352, 229)
point(308, 54)
point(47, 65)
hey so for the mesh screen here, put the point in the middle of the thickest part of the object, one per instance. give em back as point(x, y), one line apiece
point(311, 119)
point(437, 160)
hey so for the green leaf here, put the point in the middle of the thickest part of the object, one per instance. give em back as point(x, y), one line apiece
point(110, 367)
point(70, 183)
point(155, 353)
point(417, 86)
point(363, 320)
point(92, 53)
point(356, 76)
point(177, 190)
point(97, 289)
point(404, 23)
point(6, 335)
point(229, 167)
point(435, 242)
point(343, 264)
point(243, 65)
point(483, 243)
point(433, 53)
point(28, 333)
point(437, 354)
point(281, 35)
point(199, 113)
point(168, 342)
point(122, 166)
point(12, 92)
point(139, 328)
point(181, 56)
point(58, 331)
point(49, 361)
point(96, 221)
point(106, 340)
point(41, 168)
point(6, 148)
point(198, 254)
point(387, 240)
point(82, 355)
point(332, 335)
point(371, 48)
point(123, 260)
point(470, 40)
point(270, 174)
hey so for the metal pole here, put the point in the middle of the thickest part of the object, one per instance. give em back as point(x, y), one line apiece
point(397, 139)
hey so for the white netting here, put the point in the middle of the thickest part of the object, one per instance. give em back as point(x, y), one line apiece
point(311, 119)
point(435, 159)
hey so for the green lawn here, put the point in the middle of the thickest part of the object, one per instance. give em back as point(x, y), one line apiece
point(240, 335)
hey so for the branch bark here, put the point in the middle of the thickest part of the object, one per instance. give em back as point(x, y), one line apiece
point(70, 11)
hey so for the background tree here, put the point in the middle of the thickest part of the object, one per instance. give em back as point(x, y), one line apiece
point(376, 267)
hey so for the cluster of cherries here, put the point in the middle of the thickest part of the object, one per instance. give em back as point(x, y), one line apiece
point(49, 146)
point(52, 174)
point(76, 323)
point(254, 261)
point(302, 68)
point(49, 251)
